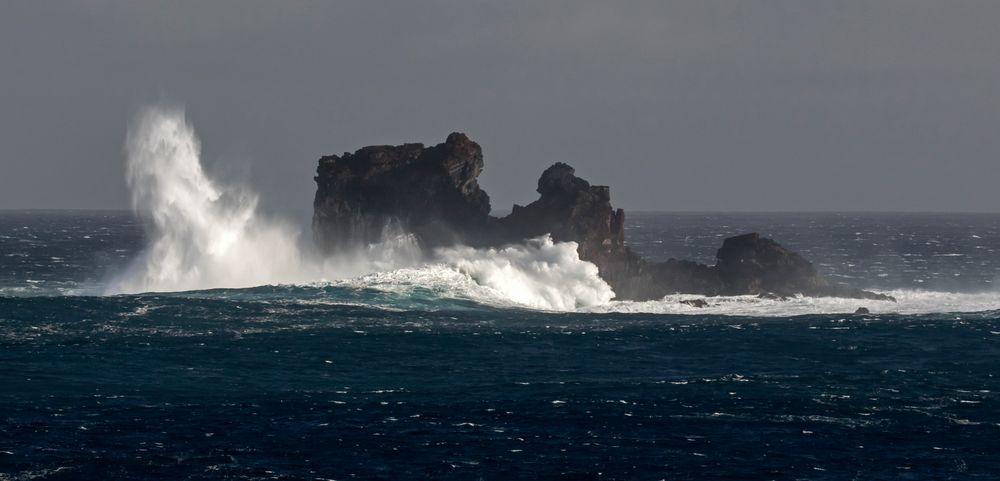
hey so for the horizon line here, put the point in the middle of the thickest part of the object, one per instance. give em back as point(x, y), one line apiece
point(634, 211)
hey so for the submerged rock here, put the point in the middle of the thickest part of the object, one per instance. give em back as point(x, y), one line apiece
point(433, 193)
point(695, 302)
point(771, 296)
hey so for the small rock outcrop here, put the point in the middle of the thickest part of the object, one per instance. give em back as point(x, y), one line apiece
point(750, 263)
point(433, 193)
point(699, 303)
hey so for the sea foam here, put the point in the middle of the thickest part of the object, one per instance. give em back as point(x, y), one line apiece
point(205, 234)
point(540, 273)
point(909, 301)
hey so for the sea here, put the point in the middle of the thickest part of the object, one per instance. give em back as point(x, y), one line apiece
point(168, 347)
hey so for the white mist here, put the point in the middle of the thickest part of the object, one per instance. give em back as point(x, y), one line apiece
point(203, 234)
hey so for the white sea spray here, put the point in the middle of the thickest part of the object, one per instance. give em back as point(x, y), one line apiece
point(206, 234)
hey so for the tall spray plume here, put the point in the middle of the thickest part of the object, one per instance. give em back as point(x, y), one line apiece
point(204, 234)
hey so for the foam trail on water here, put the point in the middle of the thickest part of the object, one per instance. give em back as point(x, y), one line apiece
point(910, 301)
point(203, 234)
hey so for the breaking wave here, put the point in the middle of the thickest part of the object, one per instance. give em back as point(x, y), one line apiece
point(541, 274)
point(445, 283)
point(206, 235)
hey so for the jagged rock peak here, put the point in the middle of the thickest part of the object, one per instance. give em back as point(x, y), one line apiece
point(560, 179)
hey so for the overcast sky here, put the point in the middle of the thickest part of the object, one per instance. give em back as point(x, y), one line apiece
point(700, 105)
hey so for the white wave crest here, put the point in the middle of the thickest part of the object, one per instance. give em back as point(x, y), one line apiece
point(540, 274)
point(207, 235)
point(488, 287)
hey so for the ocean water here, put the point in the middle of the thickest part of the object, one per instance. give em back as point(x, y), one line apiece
point(504, 364)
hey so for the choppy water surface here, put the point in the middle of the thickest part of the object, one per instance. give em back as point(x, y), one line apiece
point(424, 373)
point(938, 252)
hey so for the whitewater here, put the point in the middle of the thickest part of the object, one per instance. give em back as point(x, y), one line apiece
point(204, 234)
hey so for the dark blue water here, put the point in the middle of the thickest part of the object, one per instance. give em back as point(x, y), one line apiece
point(338, 382)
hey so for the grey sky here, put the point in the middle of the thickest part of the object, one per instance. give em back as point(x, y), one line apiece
point(700, 105)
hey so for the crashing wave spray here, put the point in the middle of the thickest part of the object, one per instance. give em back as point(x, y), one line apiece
point(203, 235)
point(207, 235)
point(540, 274)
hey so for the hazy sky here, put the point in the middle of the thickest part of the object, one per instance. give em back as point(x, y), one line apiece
point(699, 105)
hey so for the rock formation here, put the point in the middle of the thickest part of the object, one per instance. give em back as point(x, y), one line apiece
point(433, 193)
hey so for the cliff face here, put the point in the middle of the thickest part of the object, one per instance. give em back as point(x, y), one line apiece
point(433, 193)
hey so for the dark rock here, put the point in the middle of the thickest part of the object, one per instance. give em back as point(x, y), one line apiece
point(862, 310)
point(433, 193)
point(752, 264)
point(695, 302)
point(570, 209)
point(850, 293)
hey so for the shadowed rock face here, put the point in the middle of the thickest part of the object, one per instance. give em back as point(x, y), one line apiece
point(750, 263)
point(570, 209)
point(433, 193)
